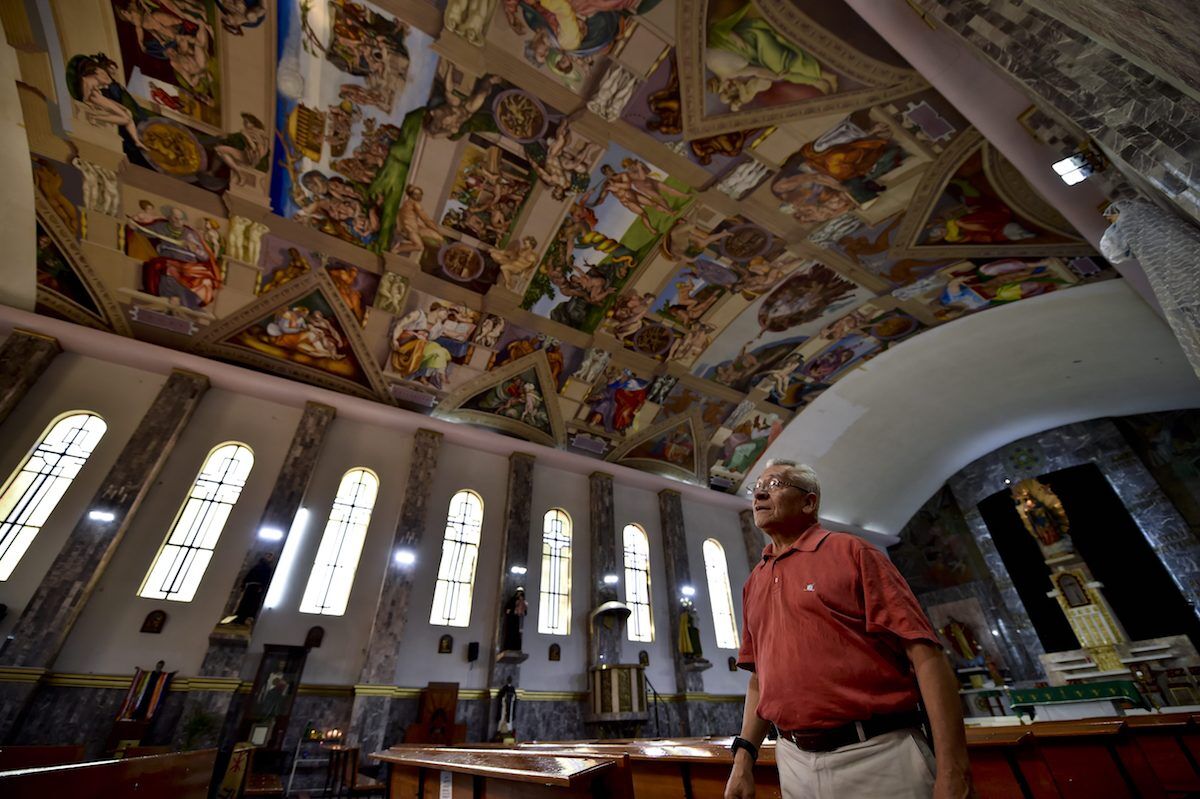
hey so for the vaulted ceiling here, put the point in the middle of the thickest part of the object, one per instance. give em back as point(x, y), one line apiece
point(650, 232)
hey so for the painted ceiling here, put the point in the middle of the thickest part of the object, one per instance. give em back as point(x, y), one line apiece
point(650, 231)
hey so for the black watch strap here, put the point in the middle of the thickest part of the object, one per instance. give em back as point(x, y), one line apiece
point(742, 743)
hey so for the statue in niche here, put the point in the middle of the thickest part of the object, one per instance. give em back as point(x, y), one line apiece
point(555, 652)
point(689, 633)
point(514, 619)
point(508, 701)
point(732, 663)
point(254, 591)
point(314, 637)
point(644, 657)
point(964, 646)
point(1041, 512)
point(445, 645)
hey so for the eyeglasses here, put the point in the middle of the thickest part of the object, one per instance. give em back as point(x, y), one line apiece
point(770, 484)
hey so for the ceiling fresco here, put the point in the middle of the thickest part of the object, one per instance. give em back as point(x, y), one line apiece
point(648, 231)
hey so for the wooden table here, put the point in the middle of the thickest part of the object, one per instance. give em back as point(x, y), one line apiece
point(419, 772)
point(1132, 756)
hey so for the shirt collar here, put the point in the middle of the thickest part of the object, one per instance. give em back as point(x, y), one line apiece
point(808, 541)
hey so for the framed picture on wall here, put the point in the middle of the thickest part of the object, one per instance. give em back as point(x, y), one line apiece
point(265, 719)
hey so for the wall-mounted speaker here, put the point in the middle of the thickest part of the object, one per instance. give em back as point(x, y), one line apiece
point(472, 651)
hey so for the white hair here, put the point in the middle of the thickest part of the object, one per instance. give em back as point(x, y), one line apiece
point(801, 474)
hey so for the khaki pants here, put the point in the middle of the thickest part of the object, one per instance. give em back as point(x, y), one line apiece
point(895, 765)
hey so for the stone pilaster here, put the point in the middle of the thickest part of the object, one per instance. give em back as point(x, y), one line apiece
point(606, 646)
point(24, 357)
point(752, 537)
point(688, 678)
point(51, 613)
point(514, 551)
point(370, 713)
point(227, 652)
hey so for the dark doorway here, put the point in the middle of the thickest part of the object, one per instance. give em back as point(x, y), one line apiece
point(1136, 584)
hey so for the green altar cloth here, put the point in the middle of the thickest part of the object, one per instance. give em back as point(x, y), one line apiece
point(1083, 692)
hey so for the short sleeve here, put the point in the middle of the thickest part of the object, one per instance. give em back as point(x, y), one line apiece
point(745, 659)
point(890, 605)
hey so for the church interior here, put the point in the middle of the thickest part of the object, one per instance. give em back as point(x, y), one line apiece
point(381, 382)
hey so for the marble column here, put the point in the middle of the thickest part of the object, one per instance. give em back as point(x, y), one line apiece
point(227, 645)
point(514, 551)
point(24, 357)
point(752, 537)
point(51, 613)
point(605, 560)
point(688, 678)
point(369, 717)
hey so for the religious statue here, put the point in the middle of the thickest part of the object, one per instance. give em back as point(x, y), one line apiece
point(689, 633)
point(963, 644)
point(1041, 512)
point(254, 591)
point(508, 701)
point(514, 618)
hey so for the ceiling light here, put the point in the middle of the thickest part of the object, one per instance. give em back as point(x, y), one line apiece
point(101, 516)
point(406, 557)
point(518, 570)
point(271, 534)
point(1079, 166)
point(687, 590)
point(611, 579)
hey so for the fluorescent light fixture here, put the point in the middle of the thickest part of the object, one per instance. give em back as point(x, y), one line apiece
point(101, 516)
point(518, 570)
point(406, 557)
point(270, 534)
point(1073, 169)
point(1007, 482)
point(996, 633)
point(611, 579)
point(687, 590)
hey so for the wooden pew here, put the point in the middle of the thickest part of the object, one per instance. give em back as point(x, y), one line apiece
point(184, 775)
point(14, 757)
point(1004, 764)
point(495, 773)
point(1161, 739)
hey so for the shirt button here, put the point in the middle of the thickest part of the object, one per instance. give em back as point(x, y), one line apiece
point(776, 579)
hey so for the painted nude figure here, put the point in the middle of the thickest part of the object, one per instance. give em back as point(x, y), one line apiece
point(414, 227)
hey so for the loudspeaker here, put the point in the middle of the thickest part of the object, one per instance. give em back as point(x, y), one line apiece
point(472, 651)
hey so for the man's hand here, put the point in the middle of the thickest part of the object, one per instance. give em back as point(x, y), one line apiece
point(741, 781)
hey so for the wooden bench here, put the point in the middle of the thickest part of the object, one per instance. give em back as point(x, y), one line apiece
point(182, 775)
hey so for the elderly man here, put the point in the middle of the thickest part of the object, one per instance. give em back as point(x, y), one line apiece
point(841, 653)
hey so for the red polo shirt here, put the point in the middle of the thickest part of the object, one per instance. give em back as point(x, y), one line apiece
point(825, 623)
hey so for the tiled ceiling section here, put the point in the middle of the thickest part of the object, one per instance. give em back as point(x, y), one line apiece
point(652, 232)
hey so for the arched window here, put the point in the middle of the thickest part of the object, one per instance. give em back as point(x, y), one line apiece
point(188, 547)
point(460, 551)
point(34, 489)
point(724, 620)
point(637, 583)
point(332, 574)
point(554, 609)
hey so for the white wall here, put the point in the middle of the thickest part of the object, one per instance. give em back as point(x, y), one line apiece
point(339, 659)
point(703, 523)
point(638, 506)
point(106, 638)
point(120, 395)
point(553, 488)
point(420, 663)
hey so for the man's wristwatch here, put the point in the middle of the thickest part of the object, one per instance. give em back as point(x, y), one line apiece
point(742, 743)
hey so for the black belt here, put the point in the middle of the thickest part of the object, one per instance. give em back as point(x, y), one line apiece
point(826, 740)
